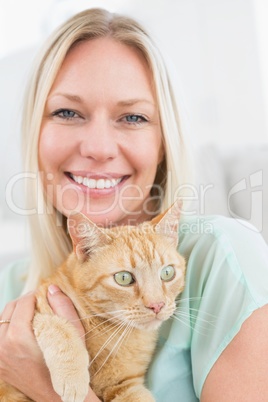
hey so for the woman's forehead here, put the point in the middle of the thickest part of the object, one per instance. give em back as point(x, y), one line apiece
point(106, 66)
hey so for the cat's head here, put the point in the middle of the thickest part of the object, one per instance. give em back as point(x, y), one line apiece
point(130, 274)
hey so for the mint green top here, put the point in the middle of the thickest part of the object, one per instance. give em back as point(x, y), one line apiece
point(227, 279)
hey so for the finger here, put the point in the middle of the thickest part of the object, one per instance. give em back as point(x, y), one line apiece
point(7, 315)
point(63, 307)
point(22, 317)
point(20, 331)
point(24, 309)
point(8, 310)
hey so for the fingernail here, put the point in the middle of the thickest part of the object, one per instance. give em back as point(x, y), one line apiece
point(53, 289)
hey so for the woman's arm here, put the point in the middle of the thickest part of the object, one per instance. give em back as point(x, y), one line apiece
point(240, 373)
point(21, 361)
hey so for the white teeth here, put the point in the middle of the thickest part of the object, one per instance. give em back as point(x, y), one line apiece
point(108, 184)
point(85, 181)
point(100, 183)
point(92, 183)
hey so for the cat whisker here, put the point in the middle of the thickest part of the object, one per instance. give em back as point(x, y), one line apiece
point(204, 312)
point(104, 330)
point(100, 332)
point(98, 315)
point(117, 345)
point(111, 337)
point(184, 314)
point(101, 323)
point(195, 310)
point(195, 313)
point(188, 325)
point(129, 329)
point(204, 324)
point(186, 299)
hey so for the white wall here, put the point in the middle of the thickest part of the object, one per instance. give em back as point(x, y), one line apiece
point(261, 18)
point(216, 47)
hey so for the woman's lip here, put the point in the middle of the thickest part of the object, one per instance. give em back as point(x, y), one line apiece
point(95, 192)
point(97, 176)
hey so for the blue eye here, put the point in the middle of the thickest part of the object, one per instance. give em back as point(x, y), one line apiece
point(65, 114)
point(68, 114)
point(135, 119)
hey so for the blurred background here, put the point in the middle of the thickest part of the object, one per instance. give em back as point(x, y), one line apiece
point(217, 53)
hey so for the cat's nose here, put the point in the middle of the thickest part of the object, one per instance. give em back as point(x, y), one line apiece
point(156, 307)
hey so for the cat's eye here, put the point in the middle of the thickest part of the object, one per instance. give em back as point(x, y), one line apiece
point(167, 273)
point(124, 278)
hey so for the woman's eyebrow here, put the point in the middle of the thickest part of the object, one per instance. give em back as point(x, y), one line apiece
point(71, 97)
point(131, 102)
point(122, 103)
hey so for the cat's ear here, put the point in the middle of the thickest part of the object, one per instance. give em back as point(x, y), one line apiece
point(167, 224)
point(86, 236)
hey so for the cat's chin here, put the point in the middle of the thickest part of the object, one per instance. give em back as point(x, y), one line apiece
point(151, 325)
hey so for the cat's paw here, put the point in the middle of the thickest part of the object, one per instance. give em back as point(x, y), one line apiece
point(72, 388)
point(147, 397)
point(66, 356)
point(133, 393)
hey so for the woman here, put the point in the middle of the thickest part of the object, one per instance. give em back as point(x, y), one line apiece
point(101, 126)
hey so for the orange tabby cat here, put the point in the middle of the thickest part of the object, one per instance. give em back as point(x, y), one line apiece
point(123, 283)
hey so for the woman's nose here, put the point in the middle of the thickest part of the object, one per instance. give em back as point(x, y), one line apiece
point(99, 142)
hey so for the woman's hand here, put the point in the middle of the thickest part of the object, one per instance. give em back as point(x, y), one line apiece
point(63, 307)
point(21, 361)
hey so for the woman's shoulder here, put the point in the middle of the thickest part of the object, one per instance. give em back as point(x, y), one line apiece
point(226, 280)
point(227, 250)
point(12, 280)
point(214, 225)
point(206, 231)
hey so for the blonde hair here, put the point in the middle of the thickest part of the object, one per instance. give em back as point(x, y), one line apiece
point(50, 242)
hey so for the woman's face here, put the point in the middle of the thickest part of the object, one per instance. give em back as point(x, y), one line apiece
point(100, 140)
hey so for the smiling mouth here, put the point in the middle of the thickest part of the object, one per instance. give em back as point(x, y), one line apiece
point(97, 183)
